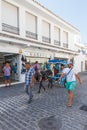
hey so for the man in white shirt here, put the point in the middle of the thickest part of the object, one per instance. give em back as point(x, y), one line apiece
point(71, 76)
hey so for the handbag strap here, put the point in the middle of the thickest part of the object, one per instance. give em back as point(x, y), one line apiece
point(69, 71)
point(66, 74)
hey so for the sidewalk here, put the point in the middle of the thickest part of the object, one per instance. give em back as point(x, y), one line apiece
point(48, 110)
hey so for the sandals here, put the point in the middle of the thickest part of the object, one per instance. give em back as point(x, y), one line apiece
point(69, 105)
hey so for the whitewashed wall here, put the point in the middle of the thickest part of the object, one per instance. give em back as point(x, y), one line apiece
point(33, 22)
point(71, 41)
point(77, 62)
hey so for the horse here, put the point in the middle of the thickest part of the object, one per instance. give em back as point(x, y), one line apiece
point(42, 76)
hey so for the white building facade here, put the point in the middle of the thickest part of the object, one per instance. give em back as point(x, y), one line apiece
point(29, 30)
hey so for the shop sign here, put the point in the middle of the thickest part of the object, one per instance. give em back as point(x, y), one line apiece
point(36, 54)
point(26, 53)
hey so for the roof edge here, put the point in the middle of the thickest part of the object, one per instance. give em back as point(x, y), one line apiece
point(55, 15)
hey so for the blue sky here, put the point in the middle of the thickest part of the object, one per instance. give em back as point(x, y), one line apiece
point(73, 11)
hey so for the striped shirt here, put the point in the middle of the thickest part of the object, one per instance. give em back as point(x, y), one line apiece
point(28, 76)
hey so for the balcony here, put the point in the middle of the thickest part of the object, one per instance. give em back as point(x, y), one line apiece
point(46, 39)
point(57, 42)
point(10, 29)
point(31, 35)
point(65, 45)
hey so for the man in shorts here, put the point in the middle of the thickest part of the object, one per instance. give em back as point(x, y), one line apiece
point(7, 74)
point(71, 76)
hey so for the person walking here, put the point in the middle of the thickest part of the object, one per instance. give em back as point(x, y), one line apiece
point(29, 81)
point(7, 74)
point(71, 76)
point(36, 66)
point(37, 69)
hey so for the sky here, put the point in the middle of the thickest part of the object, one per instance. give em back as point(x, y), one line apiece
point(72, 11)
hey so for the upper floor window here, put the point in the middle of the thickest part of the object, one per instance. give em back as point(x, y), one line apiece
point(65, 39)
point(46, 32)
point(10, 19)
point(56, 36)
point(31, 26)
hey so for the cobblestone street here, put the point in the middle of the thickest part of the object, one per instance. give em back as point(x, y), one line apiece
point(48, 108)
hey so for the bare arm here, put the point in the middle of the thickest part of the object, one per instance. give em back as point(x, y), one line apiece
point(78, 77)
point(32, 84)
point(33, 79)
point(61, 76)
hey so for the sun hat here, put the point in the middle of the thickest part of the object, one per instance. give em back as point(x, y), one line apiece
point(70, 62)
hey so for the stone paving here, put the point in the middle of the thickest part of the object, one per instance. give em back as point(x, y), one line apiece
point(48, 110)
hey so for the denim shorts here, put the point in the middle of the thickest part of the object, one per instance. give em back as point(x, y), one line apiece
point(71, 85)
point(6, 77)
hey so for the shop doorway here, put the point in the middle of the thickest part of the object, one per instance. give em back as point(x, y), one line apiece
point(12, 59)
point(41, 60)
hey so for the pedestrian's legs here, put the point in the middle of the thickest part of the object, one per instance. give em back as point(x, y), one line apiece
point(6, 83)
point(30, 92)
point(9, 82)
point(71, 95)
point(26, 89)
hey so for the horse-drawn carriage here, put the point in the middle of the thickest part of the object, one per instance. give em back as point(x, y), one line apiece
point(59, 65)
point(52, 76)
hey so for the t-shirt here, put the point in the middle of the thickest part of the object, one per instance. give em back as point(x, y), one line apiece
point(36, 67)
point(7, 71)
point(71, 76)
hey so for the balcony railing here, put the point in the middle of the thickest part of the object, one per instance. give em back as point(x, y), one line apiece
point(46, 39)
point(65, 45)
point(10, 29)
point(57, 42)
point(31, 35)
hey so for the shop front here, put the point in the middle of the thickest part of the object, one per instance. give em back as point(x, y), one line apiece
point(42, 56)
point(13, 60)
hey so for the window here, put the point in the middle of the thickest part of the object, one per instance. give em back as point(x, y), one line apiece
point(10, 18)
point(45, 32)
point(65, 39)
point(31, 26)
point(56, 36)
